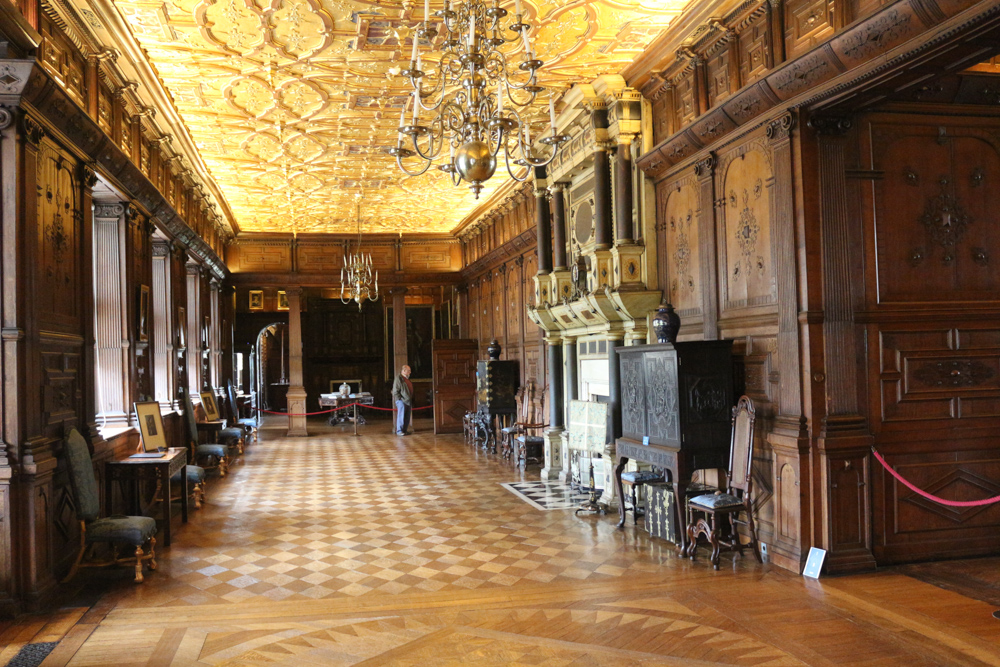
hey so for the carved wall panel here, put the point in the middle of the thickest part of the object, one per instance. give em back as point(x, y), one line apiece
point(745, 242)
point(263, 257)
point(937, 227)
point(720, 84)
point(431, 256)
point(754, 50)
point(326, 258)
point(685, 104)
point(60, 241)
point(807, 23)
point(678, 244)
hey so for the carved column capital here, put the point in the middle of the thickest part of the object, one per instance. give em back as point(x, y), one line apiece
point(130, 86)
point(833, 126)
point(706, 166)
point(88, 176)
point(781, 128)
point(32, 130)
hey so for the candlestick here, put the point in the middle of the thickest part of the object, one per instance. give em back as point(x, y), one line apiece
point(416, 107)
point(527, 47)
point(552, 114)
point(472, 29)
point(413, 53)
point(517, 4)
point(427, 11)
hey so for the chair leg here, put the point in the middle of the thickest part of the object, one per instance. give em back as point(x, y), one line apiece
point(138, 565)
point(714, 539)
point(734, 535)
point(79, 557)
point(223, 467)
point(754, 544)
point(152, 553)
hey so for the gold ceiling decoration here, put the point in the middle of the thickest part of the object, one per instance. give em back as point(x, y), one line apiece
point(293, 103)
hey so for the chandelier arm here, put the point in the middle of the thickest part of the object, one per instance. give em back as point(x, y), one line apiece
point(399, 163)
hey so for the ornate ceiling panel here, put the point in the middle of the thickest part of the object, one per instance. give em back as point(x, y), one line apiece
point(292, 103)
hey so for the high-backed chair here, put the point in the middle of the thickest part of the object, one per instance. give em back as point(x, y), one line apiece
point(249, 424)
point(717, 515)
point(222, 425)
point(130, 531)
point(210, 456)
point(528, 442)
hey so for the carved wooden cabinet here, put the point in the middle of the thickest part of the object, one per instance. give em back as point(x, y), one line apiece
point(679, 396)
point(496, 384)
point(676, 403)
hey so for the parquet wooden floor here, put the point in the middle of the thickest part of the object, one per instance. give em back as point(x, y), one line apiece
point(378, 550)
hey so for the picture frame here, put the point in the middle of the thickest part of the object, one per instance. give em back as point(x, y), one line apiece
point(143, 314)
point(154, 438)
point(210, 406)
point(181, 326)
point(256, 299)
point(282, 300)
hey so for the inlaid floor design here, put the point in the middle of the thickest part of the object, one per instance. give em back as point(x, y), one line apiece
point(547, 496)
point(375, 550)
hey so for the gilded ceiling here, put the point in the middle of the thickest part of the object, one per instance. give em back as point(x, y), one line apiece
point(292, 103)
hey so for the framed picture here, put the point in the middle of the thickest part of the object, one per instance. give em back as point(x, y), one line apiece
point(181, 326)
point(256, 299)
point(154, 438)
point(282, 300)
point(143, 313)
point(211, 408)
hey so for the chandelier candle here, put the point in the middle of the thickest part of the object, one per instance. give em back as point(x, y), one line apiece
point(478, 99)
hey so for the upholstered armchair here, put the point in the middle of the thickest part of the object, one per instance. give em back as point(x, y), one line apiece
point(133, 532)
point(248, 424)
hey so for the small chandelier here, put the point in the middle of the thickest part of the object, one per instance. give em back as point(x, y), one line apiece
point(475, 98)
point(356, 275)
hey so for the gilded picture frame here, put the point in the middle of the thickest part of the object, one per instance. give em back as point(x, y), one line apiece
point(210, 406)
point(154, 438)
point(282, 300)
point(256, 299)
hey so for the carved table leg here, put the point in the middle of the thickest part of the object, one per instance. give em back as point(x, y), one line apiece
point(621, 493)
point(680, 505)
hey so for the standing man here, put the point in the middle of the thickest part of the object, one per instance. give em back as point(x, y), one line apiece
point(402, 394)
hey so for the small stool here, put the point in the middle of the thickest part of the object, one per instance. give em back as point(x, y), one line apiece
point(636, 478)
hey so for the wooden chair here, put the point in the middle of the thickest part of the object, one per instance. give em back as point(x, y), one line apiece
point(636, 479)
point(529, 439)
point(224, 425)
point(718, 514)
point(130, 531)
point(249, 425)
point(507, 433)
point(210, 456)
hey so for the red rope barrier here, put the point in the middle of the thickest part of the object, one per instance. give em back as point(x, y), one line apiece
point(323, 412)
point(929, 496)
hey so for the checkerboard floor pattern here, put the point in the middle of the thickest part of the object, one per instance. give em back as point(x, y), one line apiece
point(547, 496)
point(337, 515)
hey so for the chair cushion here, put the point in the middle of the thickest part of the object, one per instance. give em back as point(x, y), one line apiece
point(134, 530)
point(212, 450)
point(195, 474)
point(715, 501)
point(641, 477)
point(247, 421)
point(231, 433)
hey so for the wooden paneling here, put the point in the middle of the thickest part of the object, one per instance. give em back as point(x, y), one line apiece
point(326, 258)
point(807, 23)
point(678, 240)
point(745, 236)
point(431, 256)
point(754, 50)
point(275, 258)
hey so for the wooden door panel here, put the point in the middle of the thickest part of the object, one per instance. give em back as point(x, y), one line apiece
point(454, 382)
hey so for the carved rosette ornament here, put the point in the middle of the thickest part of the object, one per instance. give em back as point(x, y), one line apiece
point(954, 373)
point(945, 221)
point(830, 126)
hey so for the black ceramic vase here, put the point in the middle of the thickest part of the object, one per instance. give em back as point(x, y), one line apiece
point(666, 323)
point(493, 349)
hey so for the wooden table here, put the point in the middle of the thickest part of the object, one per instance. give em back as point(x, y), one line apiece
point(137, 470)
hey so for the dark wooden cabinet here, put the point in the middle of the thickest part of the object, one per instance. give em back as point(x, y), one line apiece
point(497, 383)
point(676, 403)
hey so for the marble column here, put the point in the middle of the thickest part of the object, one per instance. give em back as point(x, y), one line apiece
point(543, 223)
point(614, 420)
point(296, 392)
point(553, 434)
point(571, 393)
point(556, 190)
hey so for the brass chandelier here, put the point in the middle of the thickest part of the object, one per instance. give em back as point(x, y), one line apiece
point(475, 99)
point(356, 275)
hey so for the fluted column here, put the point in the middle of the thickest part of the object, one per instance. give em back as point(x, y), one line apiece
point(193, 324)
point(111, 331)
point(163, 326)
point(296, 392)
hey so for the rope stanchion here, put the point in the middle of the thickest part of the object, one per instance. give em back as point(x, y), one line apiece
point(942, 501)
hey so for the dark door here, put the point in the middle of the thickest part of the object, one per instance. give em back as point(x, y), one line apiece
point(454, 382)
